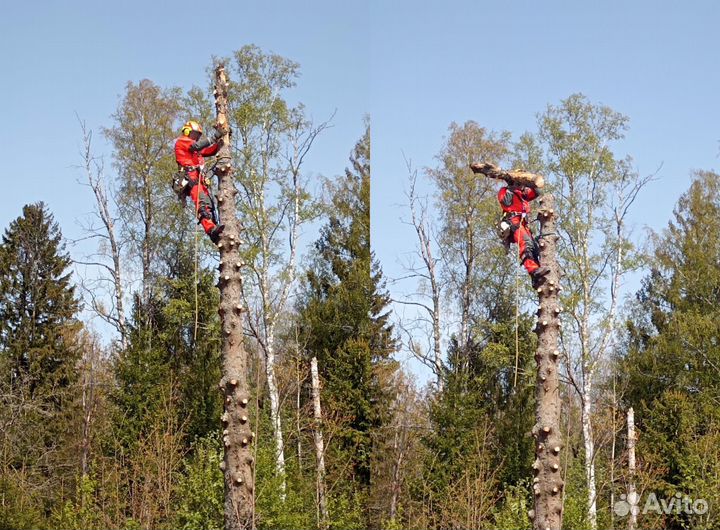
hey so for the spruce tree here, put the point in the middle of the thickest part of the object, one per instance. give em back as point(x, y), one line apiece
point(344, 315)
point(166, 355)
point(671, 369)
point(37, 302)
point(39, 352)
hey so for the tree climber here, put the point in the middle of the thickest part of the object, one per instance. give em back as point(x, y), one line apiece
point(515, 200)
point(190, 148)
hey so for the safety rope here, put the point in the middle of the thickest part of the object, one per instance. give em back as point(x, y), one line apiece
point(517, 327)
point(197, 243)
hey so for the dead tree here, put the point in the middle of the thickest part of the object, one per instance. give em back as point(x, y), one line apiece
point(319, 447)
point(549, 484)
point(632, 492)
point(238, 464)
point(93, 168)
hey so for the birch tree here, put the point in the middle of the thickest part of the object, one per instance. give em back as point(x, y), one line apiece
point(142, 138)
point(428, 294)
point(109, 284)
point(271, 142)
point(595, 191)
point(467, 211)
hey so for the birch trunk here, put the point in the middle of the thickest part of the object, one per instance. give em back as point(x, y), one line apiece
point(319, 446)
point(238, 463)
point(632, 493)
point(612, 457)
point(275, 410)
point(589, 446)
point(548, 482)
point(419, 221)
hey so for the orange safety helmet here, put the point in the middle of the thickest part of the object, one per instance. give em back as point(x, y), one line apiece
point(191, 126)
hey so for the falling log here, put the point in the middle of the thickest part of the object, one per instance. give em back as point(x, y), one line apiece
point(523, 178)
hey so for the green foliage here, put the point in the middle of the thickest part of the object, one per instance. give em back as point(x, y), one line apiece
point(83, 512)
point(37, 305)
point(479, 387)
point(671, 365)
point(347, 510)
point(575, 501)
point(344, 317)
point(593, 190)
point(475, 266)
point(513, 512)
point(145, 125)
point(163, 350)
point(39, 351)
point(200, 490)
point(20, 509)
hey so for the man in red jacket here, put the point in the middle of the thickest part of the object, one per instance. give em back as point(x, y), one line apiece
point(190, 148)
point(515, 202)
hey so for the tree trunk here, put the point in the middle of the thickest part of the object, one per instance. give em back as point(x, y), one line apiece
point(632, 494)
point(518, 177)
point(96, 181)
point(612, 457)
point(548, 477)
point(275, 410)
point(589, 446)
point(238, 464)
point(319, 446)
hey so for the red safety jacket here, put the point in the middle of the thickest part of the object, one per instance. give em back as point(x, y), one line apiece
point(189, 153)
point(515, 201)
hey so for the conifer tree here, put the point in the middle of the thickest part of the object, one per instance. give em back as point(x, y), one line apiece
point(39, 351)
point(671, 368)
point(344, 314)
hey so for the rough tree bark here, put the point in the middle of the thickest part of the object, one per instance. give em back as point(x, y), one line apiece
point(238, 464)
point(319, 446)
point(632, 493)
point(518, 177)
point(548, 480)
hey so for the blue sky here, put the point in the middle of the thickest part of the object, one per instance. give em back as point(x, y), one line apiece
point(501, 63)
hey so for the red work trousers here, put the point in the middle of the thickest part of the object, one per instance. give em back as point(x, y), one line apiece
point(527, 249)
point(200, 197)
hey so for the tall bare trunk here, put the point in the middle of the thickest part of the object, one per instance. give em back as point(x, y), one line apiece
point(88, 398)
point(422, 229)
point(298, 406)
point(398, 460)
point(612, 457)
point(319, 446)
point(548, 477)
point(632, 493)
point(275, 410)
point(589, 446)
point(238, 463)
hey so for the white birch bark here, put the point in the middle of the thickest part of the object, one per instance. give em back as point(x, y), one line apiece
point(632, 493)
point(94, 176)
point(319, 446)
